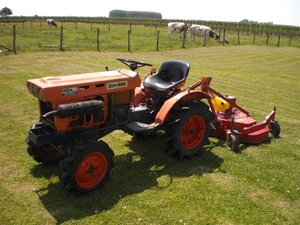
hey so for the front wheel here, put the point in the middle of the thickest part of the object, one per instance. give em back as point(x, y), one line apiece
point(86, 167)
point(190, 130)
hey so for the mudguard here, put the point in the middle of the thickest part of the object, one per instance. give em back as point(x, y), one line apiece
point(173, 102)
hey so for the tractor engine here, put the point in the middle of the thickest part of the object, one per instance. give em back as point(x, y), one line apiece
point(78, 104)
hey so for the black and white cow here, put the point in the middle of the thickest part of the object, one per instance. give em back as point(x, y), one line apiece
point(51, 22)
point(202, 31)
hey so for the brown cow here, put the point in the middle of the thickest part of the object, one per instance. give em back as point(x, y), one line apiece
point(177, 27)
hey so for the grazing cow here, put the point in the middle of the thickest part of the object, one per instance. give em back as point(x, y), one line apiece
point(177, 27)
point(51, 22)
point(202, 31)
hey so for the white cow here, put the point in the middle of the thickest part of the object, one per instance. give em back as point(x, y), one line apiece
point(202, 31)
point(177, 27)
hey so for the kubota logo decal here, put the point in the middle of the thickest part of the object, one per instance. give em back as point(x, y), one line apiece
point(120, 84)
point(69, 91)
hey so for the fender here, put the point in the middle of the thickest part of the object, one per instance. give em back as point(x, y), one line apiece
point(184, 96)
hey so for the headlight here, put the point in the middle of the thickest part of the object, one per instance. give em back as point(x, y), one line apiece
point(41, 96)
point(32, 89)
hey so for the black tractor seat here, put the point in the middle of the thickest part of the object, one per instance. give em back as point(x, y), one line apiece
point(171, 74)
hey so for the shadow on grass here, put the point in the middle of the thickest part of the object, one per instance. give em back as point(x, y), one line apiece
point(136, 171)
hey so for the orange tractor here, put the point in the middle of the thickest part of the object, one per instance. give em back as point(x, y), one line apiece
point(76, 111)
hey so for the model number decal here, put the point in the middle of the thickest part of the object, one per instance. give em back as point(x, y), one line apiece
point(119, 84)
point(69, 91)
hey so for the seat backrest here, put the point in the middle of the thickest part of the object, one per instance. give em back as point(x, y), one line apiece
point(171, 74)
point(174, 71)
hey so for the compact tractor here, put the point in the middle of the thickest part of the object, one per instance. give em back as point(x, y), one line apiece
point(76, 111)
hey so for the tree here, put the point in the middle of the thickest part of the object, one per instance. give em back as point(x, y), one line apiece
point(6, 12)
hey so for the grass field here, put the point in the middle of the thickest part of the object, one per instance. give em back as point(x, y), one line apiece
point(259, 185)
point(37, 36)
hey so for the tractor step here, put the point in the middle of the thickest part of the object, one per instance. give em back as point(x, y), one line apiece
point(138, 127)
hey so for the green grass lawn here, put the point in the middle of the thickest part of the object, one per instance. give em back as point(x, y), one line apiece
point(259, 185)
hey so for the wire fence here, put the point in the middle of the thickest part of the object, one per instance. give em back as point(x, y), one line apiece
point(37, 35)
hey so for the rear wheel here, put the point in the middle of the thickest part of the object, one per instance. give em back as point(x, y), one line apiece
point(274, 129)
point(233, 142)
point(189, 131)
point(86, 166)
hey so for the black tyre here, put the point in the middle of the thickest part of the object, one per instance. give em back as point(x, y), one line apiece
point(233, 142)
point(274, 129)
point(43, 154)
point(189, 130)
point(86, 166)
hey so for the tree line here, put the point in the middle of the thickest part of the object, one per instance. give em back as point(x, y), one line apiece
point(134, 14)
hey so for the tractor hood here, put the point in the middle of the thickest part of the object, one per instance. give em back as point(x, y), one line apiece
point(52, 88)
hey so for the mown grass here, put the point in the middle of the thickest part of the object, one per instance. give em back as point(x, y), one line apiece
point(260, 185)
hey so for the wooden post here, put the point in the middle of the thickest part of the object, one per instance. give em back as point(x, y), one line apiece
point(129, 40)
point(157, 40)
point(75, 25)
point(290, 41)
point(224, 36)
point(278, 44)
point(14, 39)
point(98, 32)
point(267, 42)
point(91, 25)
point(205, 38)
point(239, 43)
point(61, 39)
point(279, 37)
point(183, 39)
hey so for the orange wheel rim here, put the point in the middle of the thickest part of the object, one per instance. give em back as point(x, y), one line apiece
point(91, 170)
point(192, 132)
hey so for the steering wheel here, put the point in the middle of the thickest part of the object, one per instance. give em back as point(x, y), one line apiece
point(133, 64)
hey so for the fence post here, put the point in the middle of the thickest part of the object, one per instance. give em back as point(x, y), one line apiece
point(239, 43)
point(98, 40)
point(205, 38)
point(267, 42)
point(129, 40)
point(183, 39)
point(14, 39)
point(278, 44)
point(61, 39)
point(224, 36)
point(254, 33)
point(157, 40)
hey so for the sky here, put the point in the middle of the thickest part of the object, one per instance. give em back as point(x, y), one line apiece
point(280, 12)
